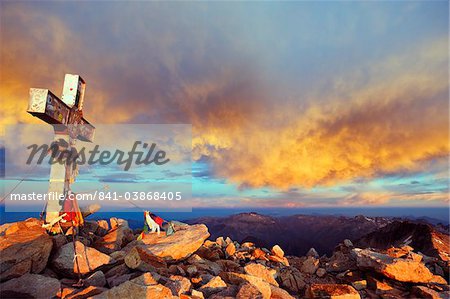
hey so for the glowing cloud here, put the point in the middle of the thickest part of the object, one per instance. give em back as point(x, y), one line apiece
point(297, 102)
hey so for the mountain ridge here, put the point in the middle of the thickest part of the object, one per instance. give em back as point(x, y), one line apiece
point(296, 233)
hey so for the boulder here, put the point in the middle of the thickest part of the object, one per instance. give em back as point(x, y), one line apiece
point(180, 270)
point(262, 272)
point(312, 252)
point(236, 278)
point(348, 243)
point(292, 279)
point(438, 279)
point(89, 259)
point(340, 261)
point(201, 279)
point(428, 259)
point(279, 293)
point(385, 289)
point(49, 272)
point(334, 291)
point(85, 293)
point(197, 294)
point(132, 290)
point(115, 239)
point(210, 244)
point(97, 279)
point(103, 228)
point(32, 242)
point(118, 255)
point(259, 254)
point(426, 293)
point(142, 259)
point(65, 291)
point(414, 256)
point(221, 242)
point(230, 249)
point(116, 222)
point(215, 285)
point(119, 279)
point(149, 278)
point(438, 270)
point(212, 254)
point(310, 265)
point(117, 271)
point(191, 270)
point(228, 241)
point(144, 286)
point(68, 282)
point(175, 269)
point(178, 246)
point(399, 252)
point(277, 251)
point(203, 264)
point(404, 270)
point(281, 260)
point(11, 228)
point(229, 266)
point(248, 291)
point(30, 286)
point(58, 241)
point(247, 246)
point(89, 210)
point(90, 226)
point(359, 284)
point(178, 285)
point(229, 293)
point(321, 272)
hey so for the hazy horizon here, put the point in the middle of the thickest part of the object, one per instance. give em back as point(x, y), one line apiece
point(434, 214)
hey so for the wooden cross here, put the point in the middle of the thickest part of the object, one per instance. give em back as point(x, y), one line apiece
point(66, 117)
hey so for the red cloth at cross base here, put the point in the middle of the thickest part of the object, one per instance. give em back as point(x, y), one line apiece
point(157, 219)
point(72, 211)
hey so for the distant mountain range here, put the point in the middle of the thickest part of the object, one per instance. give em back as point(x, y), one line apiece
point(298, 233)
point(428, 239)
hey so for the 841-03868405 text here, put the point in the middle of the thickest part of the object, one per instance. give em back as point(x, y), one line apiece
point(140, 195)
point(101, 195)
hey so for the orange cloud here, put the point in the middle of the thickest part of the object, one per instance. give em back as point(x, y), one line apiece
point(381, 198)
point(396, 123)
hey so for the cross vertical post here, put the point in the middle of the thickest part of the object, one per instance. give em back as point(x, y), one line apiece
point(66, 117)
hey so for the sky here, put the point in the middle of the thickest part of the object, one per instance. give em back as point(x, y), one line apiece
point(292, 104)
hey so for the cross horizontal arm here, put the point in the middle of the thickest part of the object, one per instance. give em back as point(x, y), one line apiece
point(48, 107)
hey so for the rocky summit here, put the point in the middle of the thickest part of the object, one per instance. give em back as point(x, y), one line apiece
point(190, 264)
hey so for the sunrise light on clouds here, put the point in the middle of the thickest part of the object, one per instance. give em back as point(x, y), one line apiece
point(300, 104)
